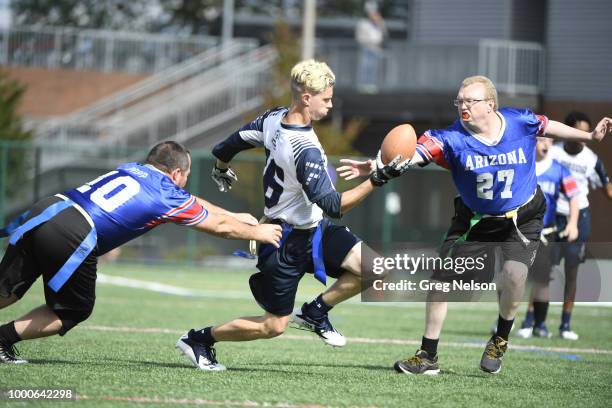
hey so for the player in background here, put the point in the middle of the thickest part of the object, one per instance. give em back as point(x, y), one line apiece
point(588, 170)
point(491, 155)
point(297, 192)
point(554, 180)
point(61, 237)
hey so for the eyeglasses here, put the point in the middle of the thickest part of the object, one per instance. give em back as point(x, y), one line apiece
point(468, 102)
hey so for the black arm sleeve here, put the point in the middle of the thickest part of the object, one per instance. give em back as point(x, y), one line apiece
point(247, 137)
point(311, 172)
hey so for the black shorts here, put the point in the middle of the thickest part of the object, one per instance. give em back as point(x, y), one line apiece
point(489, 234)
point(43, 251)
point(540, 271)
point(275, 286)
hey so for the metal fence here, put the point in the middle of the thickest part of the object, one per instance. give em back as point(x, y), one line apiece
point(98, 50)
point(515, 67)
point(189, 105)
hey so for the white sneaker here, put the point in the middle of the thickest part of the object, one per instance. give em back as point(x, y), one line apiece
point(9, 354)
point(201, 355)
point(525, 333)
point(568, 335)
point(322, 328)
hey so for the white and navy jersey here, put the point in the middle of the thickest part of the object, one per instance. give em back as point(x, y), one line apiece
point(555, 180)
point(295, 177)
point(132, 199)
point(492, 177)
point(586, 168)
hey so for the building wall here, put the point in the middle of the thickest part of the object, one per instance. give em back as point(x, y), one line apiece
point(60, 91)
point(579, 51)
point(466, 21)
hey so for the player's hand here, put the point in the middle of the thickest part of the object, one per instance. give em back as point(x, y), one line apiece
point(385, 172)
point(223, 178)
point(269, 234)
point(570, 232)
point(245, 218)
point(602, 129)
point(354, 168)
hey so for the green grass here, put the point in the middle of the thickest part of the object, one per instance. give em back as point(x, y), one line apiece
point(111, 368)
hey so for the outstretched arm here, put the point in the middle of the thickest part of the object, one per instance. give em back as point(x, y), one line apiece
point(247, 137)
point(560, 131)
point(356, 168)
point(242, 217)
point(226, 226)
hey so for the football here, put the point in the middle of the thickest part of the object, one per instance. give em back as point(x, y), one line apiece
point(400, 140)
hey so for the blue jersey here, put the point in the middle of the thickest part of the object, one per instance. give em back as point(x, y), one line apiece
point(554, 179)
point(492, 177)
point(131, 200)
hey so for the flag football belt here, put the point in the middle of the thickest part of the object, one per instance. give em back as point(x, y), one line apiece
point(15, 231)
point(511, 215)
point(317, 246)
point(545, 232)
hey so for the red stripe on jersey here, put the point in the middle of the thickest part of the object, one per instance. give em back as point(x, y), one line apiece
point(186, 204)
point(569, 186)
point(432, 149)
point(198, 219)
point(543, 122)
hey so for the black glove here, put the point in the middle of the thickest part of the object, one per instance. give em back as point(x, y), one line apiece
point(385, 172)
point(223, 178)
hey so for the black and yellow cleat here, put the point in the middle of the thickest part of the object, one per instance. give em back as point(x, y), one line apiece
point(491, 360)
point(420, 363)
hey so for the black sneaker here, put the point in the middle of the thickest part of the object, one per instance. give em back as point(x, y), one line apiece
point(491, 360)
point(420, 363)
point(321, 327)
point(201, 355)
point(8, 354)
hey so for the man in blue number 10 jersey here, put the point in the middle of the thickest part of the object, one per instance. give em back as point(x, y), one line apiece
point(61, 237)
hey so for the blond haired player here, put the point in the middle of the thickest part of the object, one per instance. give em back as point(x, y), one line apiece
point(297, 192)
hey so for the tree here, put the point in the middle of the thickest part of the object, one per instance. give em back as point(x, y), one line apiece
point(11, 129)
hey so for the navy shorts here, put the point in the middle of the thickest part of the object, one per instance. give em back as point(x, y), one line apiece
point(489, 234)
point(275, 286)
point(43, 251)
point(573, 252)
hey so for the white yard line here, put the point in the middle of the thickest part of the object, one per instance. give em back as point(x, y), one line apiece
point(226, 294)
point(364, 340)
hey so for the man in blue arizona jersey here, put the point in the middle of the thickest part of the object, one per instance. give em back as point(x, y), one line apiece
point(297, 192)
point(554, 180)
point(491, 155)
point(60, 238)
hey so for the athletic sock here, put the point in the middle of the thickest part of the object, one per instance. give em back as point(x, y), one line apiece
point(503, 327)
point(202, 336)
point(317, 309)
point(8, 334)
point(540, 310)
point(430, 346)
point(529, 317)
point(565, 321)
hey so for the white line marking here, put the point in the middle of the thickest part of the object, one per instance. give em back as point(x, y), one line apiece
point(361, 340)
point(226, 294)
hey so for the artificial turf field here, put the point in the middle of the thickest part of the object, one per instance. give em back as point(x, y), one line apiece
point(124, 354)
